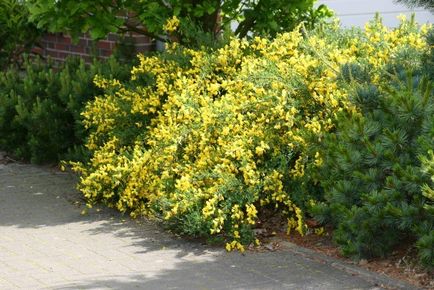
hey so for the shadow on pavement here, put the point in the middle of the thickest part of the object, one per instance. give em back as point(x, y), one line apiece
point(34, 197)
point(232, 271)
point(40, 204)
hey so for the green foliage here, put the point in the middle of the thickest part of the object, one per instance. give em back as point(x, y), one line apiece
point(275, 16)
point(426, 229)
point(40, 107)
point(427, 4)
point(371, 174)
point(212, 137)
point(428, 59)
point(17, 34)
point(208, 16)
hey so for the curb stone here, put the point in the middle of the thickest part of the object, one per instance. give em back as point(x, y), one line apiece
point(378, 279)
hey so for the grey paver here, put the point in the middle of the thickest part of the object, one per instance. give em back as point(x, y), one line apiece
point(45, 243)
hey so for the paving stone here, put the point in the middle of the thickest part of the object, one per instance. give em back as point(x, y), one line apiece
point(45, 243)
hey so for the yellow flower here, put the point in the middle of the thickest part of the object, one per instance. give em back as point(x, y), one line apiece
point(195, 136)
point(318, 160)
point(228, 247)
point(172, 24)
point(259, 150)
point(251, 213)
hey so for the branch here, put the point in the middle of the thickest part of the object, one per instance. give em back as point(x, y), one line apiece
point(131, 28)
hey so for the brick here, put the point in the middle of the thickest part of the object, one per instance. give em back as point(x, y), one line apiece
point(51, 53)
point(104, 44)
point(60, 46)
point(62, 54)
point(64, 39)
point(77, 49)
point(101, 252)
point(105, 52)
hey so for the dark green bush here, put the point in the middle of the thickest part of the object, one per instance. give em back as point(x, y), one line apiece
point(40, 107)
point(425, 230)
point(17, 34)
point(372, 173)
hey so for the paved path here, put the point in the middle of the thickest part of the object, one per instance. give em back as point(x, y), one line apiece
point(45, 243)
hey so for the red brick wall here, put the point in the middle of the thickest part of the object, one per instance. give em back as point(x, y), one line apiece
point(58, 46)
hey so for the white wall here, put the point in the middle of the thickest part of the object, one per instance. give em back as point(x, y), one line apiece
point(358, 12)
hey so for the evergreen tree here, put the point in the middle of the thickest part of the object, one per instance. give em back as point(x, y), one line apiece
point(372, 175)
point(40, 109)
point(425, 230)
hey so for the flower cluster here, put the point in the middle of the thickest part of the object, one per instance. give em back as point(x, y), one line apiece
point(213, 138)
point(172, 24)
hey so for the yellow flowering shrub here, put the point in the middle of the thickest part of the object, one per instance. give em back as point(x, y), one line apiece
point(211, 138)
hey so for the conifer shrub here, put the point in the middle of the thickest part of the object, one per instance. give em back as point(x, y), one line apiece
point(212, 137)
point(40, 107)
point(425, 229)
point(18, 35)
point(376, 161)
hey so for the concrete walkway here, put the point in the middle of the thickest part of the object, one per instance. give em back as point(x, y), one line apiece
point(45, 243)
